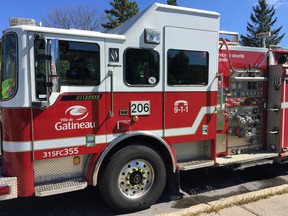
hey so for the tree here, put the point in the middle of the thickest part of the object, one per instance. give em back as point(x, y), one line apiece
point(262, 21)
point(122, 11)
point(172, 2)
point(80, 17)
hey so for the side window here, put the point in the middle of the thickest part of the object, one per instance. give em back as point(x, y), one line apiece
point(79, 63)
point(141, 67)
point(40, 70)
point(8, 69)
point(187, 67)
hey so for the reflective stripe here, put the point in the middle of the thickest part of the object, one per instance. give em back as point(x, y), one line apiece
point(9, 146)
point(13, 146)
point(284, 105)
point(191, 130)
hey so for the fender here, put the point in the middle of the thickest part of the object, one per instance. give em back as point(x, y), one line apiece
point(118, 140)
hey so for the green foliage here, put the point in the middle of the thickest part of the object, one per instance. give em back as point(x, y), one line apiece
point(122, 11)
point(262, 21)
point(172, 2)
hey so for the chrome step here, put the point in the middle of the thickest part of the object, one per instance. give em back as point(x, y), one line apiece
point(59, 187)
point(244, 165)
point(245, 158)
point(8, 188)
point(195, 164)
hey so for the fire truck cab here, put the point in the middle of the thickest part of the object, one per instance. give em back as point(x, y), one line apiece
point(128, 110)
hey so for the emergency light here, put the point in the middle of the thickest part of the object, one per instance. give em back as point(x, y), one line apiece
point(152, 36)
point(15, 21)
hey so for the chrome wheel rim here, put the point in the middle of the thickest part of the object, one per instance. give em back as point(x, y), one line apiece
point(136, 178)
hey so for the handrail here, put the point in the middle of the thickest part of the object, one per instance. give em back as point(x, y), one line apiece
point(111, 112)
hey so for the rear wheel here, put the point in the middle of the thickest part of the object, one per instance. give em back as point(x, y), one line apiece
point(133, 179)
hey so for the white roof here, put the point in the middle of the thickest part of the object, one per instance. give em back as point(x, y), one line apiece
point(156, 7)
point(157, 15)
point(75, 32)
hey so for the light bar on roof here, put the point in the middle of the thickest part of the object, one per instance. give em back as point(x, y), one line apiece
point(15, 21)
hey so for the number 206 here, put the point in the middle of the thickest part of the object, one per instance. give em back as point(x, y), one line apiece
point(140, 108)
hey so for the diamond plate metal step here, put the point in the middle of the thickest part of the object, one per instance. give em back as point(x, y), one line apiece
point(195, 164)
point(9, 183)
point(245, 165)
point(60, 187)
point(244, 158)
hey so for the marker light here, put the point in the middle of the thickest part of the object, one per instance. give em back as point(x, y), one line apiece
point(152, 36)
point(76, 160)
point(135, 118)
point(90, 140)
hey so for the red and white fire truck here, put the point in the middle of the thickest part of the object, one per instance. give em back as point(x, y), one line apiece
point(127, 111)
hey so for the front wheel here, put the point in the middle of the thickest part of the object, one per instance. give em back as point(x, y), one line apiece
point(133, 179)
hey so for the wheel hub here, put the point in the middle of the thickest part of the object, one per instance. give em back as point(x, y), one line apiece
point(136, 178)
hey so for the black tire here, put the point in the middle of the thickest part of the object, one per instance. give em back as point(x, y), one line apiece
point(133, 179)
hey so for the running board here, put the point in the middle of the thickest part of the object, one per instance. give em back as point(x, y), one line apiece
point(59, 188)
point(244, 165)
point(247, 159)
point(195, 164)
point(8, 188)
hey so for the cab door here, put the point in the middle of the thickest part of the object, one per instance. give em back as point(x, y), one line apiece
point(190, 88)
point(73, 120)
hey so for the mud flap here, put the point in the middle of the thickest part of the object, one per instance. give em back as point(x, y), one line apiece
point(173, 185)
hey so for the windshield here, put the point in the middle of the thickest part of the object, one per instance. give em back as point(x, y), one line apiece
point(8, 68)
